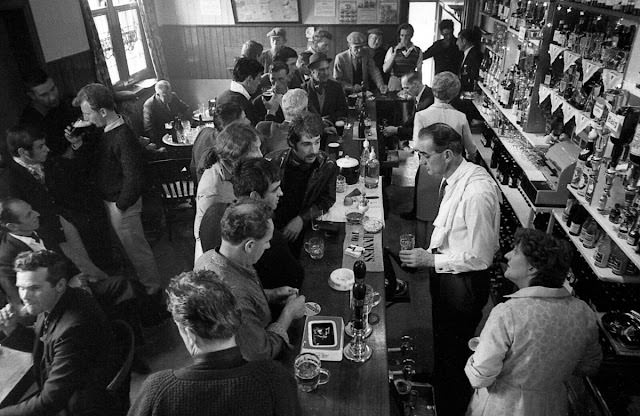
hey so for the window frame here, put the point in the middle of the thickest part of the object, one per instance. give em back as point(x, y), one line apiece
point(117, 43)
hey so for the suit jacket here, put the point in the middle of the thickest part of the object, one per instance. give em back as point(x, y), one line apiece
point(424, 101)
point(10, 247)
point(155, 114)
point(17, 182)
point(470, 69)
point(335, 103)
point(74, 360)
point(343, 71)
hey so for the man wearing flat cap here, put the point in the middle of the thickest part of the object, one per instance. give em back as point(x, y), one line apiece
point(277, 39)
point(325, 95)
point(377, 50)
point(355, 68)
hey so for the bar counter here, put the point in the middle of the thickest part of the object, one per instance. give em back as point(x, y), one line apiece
point(353, 388)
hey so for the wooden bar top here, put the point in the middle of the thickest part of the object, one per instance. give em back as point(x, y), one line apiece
point(354, 388)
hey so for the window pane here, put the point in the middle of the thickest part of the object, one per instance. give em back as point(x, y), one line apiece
point(123, 2)
point(97, 4)
point(132, 40)
point(107, 48)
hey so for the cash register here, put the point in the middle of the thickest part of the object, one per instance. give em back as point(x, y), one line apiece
point(560, 161)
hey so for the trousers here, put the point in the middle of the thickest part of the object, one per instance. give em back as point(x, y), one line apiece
point(458, 300)
point(127, 225)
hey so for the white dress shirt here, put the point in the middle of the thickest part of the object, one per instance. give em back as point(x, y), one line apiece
point(30, 241)
point(440, 112)
point(468, 222)
point(239, 88)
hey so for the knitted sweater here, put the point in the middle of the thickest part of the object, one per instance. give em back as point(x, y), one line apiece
point(219, 383)
point(120, 167)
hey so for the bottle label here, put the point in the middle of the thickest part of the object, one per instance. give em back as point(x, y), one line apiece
point(598, 109)
point(614, 123)
point(575, 228)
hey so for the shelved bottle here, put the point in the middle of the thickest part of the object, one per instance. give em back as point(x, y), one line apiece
point(579, 181)
point(603, 251)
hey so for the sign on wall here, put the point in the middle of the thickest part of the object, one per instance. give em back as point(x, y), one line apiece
point(266, 11)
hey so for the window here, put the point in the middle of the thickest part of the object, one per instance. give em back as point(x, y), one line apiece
point(122, 40)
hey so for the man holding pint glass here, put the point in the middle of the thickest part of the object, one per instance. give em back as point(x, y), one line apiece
point(219, 380)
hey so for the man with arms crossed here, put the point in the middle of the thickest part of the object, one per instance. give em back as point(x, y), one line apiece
point(462, 247)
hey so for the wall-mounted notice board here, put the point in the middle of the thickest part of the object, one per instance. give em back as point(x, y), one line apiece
point(266, 11)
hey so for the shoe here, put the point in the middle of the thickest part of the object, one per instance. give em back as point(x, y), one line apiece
point(409, 216)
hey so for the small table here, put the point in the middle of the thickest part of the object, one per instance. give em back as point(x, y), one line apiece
point(14, 377)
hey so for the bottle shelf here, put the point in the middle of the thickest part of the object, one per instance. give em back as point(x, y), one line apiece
point(535, 139)
point(609, 228)
point(605, 273)
point(598, 10)
point(521, 206)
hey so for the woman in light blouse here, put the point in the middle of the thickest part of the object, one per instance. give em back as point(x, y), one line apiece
point(236, 142)
point(535, 341)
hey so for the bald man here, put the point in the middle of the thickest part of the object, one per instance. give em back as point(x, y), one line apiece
point(162, 108)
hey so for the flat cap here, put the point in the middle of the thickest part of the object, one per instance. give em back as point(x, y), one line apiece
point(316, 58)
point(356, 38)
point(375, 31)
point(277, 32)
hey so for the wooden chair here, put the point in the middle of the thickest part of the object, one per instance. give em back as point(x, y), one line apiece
point(172, 180)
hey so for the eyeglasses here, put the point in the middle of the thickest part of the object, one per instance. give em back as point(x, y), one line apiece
point(425, 155)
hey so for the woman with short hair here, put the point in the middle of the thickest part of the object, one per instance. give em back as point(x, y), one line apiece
point(532, 343)
point(403, 58)
point(236, 142)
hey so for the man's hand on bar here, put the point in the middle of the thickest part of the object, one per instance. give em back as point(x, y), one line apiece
point(280, 294)
point(417, 257)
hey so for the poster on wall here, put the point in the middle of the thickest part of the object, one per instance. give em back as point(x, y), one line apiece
point(367, 11)
point(348, 11)
point(325, 8)
point(388, 13)
point(266, 11)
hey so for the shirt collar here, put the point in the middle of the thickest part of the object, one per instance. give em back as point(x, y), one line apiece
point(458, 173)
point(424, 87)
point(28, 240)
point(224, 359)
point(114, 124)
point(239, 88)
point(540, 292)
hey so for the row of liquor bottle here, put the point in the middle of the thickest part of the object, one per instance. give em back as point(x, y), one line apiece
point(607, 253)
point(625, 6)
point(511, 89)
point(508, 173)
point(523, 13)
point(594, 37)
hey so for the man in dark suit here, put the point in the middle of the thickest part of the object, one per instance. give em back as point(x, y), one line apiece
point(74, 350)
point(354, 67)
point(326, 96)
point(471, 61)
point(162, 108)
point(423, 96)
point(246, 79)
point(24, 178)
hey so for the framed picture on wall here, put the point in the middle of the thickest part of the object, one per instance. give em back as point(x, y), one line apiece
point(266, 11)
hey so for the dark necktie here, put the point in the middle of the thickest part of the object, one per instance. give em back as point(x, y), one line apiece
point(441, 191)
point(320, 88)
point(35, 237)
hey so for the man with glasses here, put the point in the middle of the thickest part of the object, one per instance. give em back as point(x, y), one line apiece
point(460, 252)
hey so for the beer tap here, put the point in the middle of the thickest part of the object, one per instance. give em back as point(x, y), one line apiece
point(357, 350)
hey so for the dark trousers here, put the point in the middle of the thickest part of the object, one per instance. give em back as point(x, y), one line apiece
point(458, 300)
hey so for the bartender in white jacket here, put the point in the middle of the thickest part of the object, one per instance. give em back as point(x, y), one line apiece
point(461, 250)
